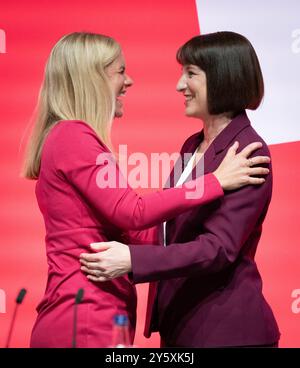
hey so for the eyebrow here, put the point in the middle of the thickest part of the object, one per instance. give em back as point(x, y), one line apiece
point(190, 66)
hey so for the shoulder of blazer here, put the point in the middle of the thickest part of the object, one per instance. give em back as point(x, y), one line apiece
point(68, 132)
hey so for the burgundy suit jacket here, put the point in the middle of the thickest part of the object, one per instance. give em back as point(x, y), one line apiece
point(209, 292)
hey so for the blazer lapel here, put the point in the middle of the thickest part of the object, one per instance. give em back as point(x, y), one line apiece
point(223, 141)
point(181, 163)
point(152, 293)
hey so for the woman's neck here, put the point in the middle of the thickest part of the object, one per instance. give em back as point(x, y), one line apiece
point(212, 126)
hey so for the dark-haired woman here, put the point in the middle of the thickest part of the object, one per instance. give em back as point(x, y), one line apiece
point(209, 290)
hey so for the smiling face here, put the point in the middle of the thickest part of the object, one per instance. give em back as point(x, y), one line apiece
point(192, 84)
point(119, 82)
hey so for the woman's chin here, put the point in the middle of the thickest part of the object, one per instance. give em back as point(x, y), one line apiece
point(192, 113)
point(118, 113)
point(189, 113)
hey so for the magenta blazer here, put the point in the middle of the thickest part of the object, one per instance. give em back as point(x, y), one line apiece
point(210, 290)
point(78, 212)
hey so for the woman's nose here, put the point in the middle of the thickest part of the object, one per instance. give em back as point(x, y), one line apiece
point(128, 81)
point(181, 85)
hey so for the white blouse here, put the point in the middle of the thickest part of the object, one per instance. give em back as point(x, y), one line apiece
point(185, 174)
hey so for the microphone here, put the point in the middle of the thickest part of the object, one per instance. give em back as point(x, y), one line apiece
point(79, 296)
point(78, 300)
point(21, 296)
point(19, 301)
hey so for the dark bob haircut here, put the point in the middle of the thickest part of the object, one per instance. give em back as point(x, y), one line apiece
point(233, 74)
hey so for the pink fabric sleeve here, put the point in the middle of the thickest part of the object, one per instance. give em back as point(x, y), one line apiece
point(76, 149)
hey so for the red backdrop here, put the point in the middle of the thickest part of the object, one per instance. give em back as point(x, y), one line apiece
point(150, 33)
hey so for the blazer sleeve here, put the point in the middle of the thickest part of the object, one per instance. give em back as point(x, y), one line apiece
point(223, 234)
point(85, 162)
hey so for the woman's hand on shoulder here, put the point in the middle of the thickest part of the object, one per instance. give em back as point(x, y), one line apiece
point(236, 171)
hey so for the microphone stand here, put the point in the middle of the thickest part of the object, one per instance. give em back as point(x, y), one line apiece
point(19, 300)
point(78, 300)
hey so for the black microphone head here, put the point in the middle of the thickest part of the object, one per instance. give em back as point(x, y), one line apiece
point(79, 296)
point(20, 296)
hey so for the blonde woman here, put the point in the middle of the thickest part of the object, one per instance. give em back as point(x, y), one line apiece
point(84, 79)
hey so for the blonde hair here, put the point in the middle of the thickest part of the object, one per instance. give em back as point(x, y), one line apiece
point(75, 87)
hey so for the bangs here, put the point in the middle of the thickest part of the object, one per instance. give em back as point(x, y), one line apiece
point(186, 54)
